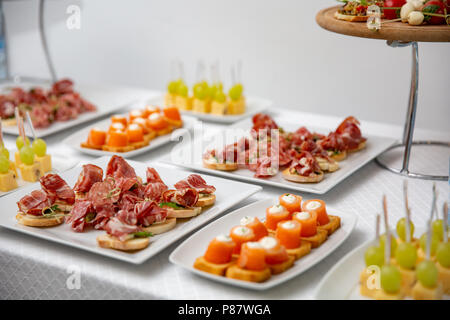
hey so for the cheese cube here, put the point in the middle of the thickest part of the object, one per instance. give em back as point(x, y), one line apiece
point(32, 172)
point(169, 99)
point(218, 108)
point(13, 167)
point(383, 295)
point(17, 158)
point(419, 292)
point(363, 288)
point(236, 107)
point(408, 280)
point(444, 277)
point(8, 181)
point(201, 105)
point(183, 103)
point(45, 162)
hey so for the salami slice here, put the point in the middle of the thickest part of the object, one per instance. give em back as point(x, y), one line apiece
point(57, 188)
point(88, 176)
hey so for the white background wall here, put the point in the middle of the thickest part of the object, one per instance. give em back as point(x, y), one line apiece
point(286, 56)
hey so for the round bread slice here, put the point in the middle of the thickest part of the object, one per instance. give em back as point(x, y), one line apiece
point(228, 166)
point(302, 179)
point(9, 122)
point(340, 156)
point(206, 200)
point(107, 241)
point(161, 227)
point(39, 221)
point(361, 146)
point(183, 213)
point(350, 18)
point(327, 165)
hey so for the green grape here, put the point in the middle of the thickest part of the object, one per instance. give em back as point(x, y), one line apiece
point(27, 155)
point(220, 96)
point(438, 228)
point(406, 255)
point(172, 87)
point(443, 254)
point(19, 142)
point(427, 273)
point(393, 244)
point(401, 228)
point(4, 152)
point(4, 164)
point(235, 92)
point(213, 91)
point(374, 256)
point(183, 90)
point(39, 147)
point(199, 91)
point(390, 278)
point(434, 243)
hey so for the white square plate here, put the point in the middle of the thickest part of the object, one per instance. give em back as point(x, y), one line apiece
point(107, 99)
point(375, 145)
point(254, 105)
point(228, 194)
point(195, 246)
point(74, 141)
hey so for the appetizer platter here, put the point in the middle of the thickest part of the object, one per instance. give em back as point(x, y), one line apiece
point(302, 160)
point(265, 243)
point(395, 266)
point(108, 208)
point(413, 12)
point(31, 160)
point(130, 134)
point(62, 105)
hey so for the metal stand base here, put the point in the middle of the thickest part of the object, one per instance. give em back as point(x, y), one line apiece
point(406, 172)
point(408, 130)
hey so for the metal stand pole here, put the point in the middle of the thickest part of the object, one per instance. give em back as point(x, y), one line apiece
point(408, 131)
point(44, 41)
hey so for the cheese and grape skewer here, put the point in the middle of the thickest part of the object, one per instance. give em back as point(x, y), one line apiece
point(390, 276)
point(8, 172)
point(428, 286)
point(443, 255)
point(40, 149)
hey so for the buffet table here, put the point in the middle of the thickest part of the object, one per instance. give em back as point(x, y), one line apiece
point(31, 268)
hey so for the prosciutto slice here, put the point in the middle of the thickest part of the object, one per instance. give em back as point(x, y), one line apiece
point(34, 202)
point(123, 174)
point(90, 175)
point(197, 182)
point(148, 212)
point(155, 186)
point(103, 196)
point(78, 214)
point(350, 133)
point(304, 163)
point(119, 229)
point(187, 197)
point(57, 188)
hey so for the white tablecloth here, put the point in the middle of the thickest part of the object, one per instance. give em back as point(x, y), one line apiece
point(32, 268)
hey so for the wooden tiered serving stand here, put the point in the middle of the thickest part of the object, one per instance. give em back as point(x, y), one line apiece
point(397, 34)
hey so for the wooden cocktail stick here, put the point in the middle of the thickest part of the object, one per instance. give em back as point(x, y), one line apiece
point(445, 214)
point(377, 228)
point(30, 124)
point(407, 213)
point(433, 207)
point(387, 244)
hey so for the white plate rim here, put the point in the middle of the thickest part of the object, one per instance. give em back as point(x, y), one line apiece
point(251, 285)
point(112, 253)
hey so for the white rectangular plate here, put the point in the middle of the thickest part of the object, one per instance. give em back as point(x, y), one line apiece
point(195, 246)
point(228, 194)
point(342, 281)
point(74, 141)
point(254, 105)
point(107, 99)
point(375, 145)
